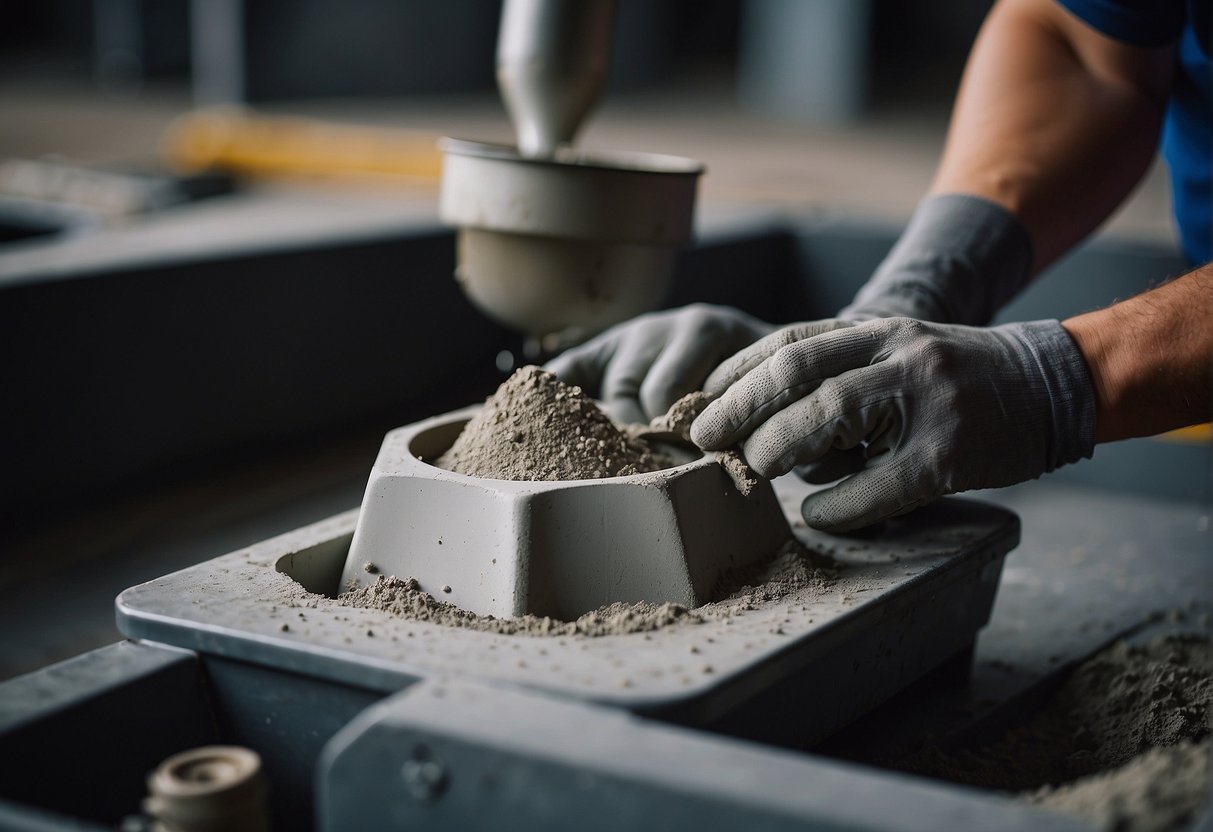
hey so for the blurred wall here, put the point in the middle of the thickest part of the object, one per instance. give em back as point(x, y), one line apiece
point(349, 48)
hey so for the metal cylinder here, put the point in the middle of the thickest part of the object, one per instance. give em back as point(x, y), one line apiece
point(563, 247)
point(552, 61)
point(216, 788)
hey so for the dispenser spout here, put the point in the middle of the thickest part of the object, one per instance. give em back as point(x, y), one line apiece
point(552, 61)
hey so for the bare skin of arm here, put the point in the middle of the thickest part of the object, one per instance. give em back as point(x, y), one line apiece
point(1058, 123)
point(1151, 358)
point(1053, 121)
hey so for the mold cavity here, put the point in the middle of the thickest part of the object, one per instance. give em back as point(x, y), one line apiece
point(317, 568)
point(431, 443)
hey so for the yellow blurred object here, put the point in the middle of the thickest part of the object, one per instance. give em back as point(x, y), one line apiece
point(1191, 435)
point(278, 146)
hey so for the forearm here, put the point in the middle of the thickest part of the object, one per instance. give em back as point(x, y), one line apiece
point(1151, 358)
point(1053, 121)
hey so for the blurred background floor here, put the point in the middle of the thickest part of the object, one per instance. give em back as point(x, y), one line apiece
point(875, 168)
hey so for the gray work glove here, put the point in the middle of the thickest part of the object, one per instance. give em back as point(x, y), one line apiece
point(642, 366)
point(929, 409)
point(959, 261)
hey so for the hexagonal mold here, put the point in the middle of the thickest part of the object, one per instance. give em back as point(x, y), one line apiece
point(508, 548)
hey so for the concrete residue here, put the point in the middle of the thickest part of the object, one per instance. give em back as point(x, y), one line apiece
point(791, 571)
point(678, 421)
point(682, 414)
point(536, 427)
point(1129, 721)
point(743, 476)
point(1159, 790)
point(406, 599)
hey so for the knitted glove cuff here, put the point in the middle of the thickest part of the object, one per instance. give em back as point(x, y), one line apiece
point(1071, 393)
point(959, 261)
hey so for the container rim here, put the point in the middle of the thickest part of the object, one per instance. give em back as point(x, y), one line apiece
point(630, 161)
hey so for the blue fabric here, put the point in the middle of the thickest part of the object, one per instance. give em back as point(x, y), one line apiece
point(1187, 143)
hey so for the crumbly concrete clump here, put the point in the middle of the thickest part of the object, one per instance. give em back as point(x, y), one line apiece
point(678, 420)
point(792, 570)
point(536, 427)
point(682, 414)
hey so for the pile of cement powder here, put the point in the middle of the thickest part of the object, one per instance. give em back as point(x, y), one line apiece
point(1159, 790)
point(536, 427)
point(1106, 728)
point(791, 571)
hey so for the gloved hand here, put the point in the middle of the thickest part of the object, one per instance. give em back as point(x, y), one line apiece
point(959, 260)
point(642, 366)
point(929, 409)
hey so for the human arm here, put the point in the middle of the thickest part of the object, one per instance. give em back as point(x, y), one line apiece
point(1053, 126)
point(1151, 358)
point(1047, 105)
point(921, 410)
point(1054, 121)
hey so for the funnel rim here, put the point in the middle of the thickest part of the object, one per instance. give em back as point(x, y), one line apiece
point(614, 161)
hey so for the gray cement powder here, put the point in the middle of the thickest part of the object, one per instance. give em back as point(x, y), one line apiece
point(1159, 790)
point(536, 427)
point(792, 570)
point(1125, 741)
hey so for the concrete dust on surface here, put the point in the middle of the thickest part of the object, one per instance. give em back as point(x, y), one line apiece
point(536, 427)
point(792, 570)
point(1124, 742)
point(1159, 790)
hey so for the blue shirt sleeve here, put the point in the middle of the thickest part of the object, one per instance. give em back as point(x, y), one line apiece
point(1146, 23)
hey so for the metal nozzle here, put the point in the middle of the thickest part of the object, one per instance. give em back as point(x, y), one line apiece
point(552, 60)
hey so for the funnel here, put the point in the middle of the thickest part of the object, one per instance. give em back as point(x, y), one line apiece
point(570, 243)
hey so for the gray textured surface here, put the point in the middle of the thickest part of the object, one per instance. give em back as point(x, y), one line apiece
point(908, 599)
point(1091, 567)
point(450, 754)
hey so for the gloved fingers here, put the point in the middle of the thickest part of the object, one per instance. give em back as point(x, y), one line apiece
point(623, 375)
point(786, 376)
point(834, 464)
point(678, 369)
point(884, 490)
point(839, 414)
point(733, 368)
point(585, 364)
